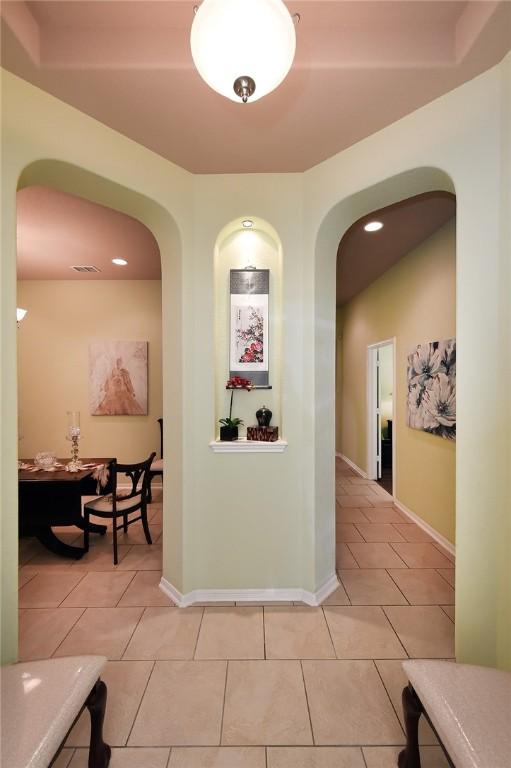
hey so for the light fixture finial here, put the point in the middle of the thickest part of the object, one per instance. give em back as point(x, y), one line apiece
point(244, 87)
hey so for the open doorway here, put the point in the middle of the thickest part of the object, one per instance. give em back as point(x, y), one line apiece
point(381, 414)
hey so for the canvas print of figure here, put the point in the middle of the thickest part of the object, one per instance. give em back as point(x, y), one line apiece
point(249, 332)
point(118, 378)
point(431, 404)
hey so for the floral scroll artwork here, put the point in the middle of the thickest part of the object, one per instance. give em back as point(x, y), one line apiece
point(431, 404)
point(118, 378)
point(249, 334)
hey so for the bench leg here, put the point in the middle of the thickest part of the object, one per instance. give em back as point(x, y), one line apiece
point(99, 752)
point(412, 710)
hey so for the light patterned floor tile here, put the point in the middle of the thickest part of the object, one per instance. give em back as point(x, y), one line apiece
point(344, 558)
point(371, 586)
point(297, 633)
point(146, 557)
point(350, 515)
point(127, 757)
point(101, 558)
point(423, 586)
point(386, 757)
point(165, 633)
point(385, 515)
point(347, 532)
point(24, 576)
point(64, 759)
point(315, 757)
point(349, 705)
point(218, 757)
point(411, 532)
point(376, 556)
point(102, 631)
point(354, 501)
point(449, 575)
point(379, 532)
point(43, 629)
point(126, 682)
point(99, 589)
point(182, 705)
point(265, 704)
point(362, 632)
point(144, 590)
point(338, 597)
point(48, 590)
point(421, 555)
point(425, 631)
point(231, 633)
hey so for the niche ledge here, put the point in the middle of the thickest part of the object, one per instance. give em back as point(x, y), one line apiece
point(247, 446)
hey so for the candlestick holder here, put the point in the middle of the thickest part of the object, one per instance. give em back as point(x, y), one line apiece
point(73, 434)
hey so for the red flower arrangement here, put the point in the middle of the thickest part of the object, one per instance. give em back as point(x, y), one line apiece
point(235, 382)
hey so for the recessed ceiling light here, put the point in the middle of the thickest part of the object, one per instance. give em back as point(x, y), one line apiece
point(373, 226)
point(119, 262)
point(247, 223)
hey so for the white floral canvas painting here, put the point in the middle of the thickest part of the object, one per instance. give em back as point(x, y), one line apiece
point(431, 404)
point(118, 378)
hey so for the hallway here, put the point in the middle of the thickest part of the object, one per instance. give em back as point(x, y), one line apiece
point(261, 686)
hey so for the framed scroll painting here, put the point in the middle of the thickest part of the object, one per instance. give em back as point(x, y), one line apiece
point(249, 333)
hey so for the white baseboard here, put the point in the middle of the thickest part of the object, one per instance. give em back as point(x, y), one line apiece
point(250, 595)
point(353, 466)
point(444, 543)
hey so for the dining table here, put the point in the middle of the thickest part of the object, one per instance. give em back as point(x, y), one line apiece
point(53, 497)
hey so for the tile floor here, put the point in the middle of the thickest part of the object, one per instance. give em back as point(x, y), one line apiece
point(250, 686)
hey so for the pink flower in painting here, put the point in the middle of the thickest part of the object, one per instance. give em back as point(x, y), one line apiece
point(258, 346)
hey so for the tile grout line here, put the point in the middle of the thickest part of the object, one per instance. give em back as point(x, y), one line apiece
point(149, 676)
point(121, 657)
point(307, 702)
point(127, 586)
point(388, 694)
point(329, 630)
point(397, 585)
point(223, 704)
point(198, 633)
point(382, 608)
point(69, 631)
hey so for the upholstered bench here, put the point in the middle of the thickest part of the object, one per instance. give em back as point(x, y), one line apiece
point(41, 701)
point(468, 707)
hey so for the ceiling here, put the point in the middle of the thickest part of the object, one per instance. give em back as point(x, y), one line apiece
point(360, 65)
point(57, 231)
point(363, 256)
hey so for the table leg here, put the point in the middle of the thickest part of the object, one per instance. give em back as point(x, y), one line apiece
point(54, 544)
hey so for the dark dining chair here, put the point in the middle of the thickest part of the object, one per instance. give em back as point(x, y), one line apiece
point(157, 465)
point(117, 504)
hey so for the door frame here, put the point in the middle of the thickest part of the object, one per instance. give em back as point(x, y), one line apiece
point(372, 470)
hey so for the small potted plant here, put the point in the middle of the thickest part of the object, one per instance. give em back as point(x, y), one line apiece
point(229, 428)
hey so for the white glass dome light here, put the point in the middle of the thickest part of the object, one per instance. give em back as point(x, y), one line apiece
point(243, 49)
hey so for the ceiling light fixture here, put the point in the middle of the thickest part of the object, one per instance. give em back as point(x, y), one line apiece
point(247, 223)
point(243, 49)
point(373, 226)
point(119, 262)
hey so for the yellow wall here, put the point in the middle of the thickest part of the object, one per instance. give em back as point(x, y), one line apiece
point(415, 302)
point(53, 344)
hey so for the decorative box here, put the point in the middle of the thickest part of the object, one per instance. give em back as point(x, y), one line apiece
point(263, 434)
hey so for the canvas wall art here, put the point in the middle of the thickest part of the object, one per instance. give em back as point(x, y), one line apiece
point(431, 404)
point(118, 378)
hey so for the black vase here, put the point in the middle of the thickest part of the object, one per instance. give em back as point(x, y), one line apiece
point(228, 433)
point(263, 416)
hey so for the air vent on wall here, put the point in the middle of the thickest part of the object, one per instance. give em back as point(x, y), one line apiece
point(85, 268)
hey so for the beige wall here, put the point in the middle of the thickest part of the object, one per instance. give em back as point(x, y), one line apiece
point(414, 302)
point(53, 343)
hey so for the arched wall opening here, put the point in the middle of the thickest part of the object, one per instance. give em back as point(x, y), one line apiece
point(66, 177)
